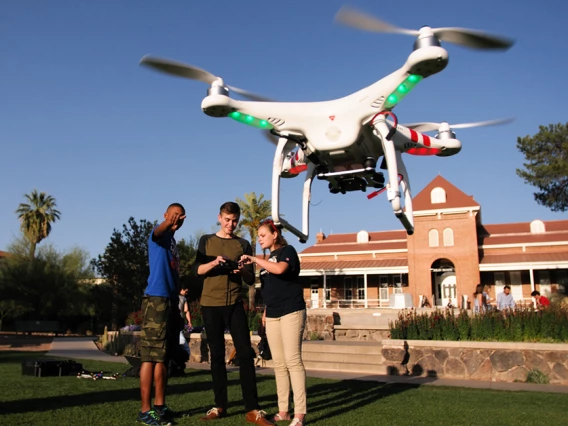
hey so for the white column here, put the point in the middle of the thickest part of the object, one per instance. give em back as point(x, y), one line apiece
point(365, 284)
point(531, 275)
point(324, 291)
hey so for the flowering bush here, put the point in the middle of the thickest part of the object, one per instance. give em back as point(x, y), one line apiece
point(134, 318)
point(520, 325)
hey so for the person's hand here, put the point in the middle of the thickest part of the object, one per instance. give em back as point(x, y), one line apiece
point(246, 259)
point(174, 220)
point(264, 318)
point(217, 261)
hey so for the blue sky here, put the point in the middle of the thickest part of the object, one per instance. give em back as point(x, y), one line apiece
point(81, 120)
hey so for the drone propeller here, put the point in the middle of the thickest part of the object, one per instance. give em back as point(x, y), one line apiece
point(462, 36)
point(179, 69)
point(430, 127)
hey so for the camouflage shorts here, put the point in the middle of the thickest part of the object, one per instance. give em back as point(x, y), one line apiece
point(155, 329)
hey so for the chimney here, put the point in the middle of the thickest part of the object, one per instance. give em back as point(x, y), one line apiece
point(320, 236)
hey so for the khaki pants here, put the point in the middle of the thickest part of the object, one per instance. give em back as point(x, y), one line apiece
point(285, 340)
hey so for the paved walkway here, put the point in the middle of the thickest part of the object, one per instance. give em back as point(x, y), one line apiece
point(85, 348)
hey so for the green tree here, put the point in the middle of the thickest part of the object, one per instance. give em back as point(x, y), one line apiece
point(36, 217)
point(124, 266)
point(546, 166)
point(49, 286)
point(187, 250)
point(253, 211)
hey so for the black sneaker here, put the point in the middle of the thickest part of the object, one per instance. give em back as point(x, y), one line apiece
point(151, 418)
point(165, 413)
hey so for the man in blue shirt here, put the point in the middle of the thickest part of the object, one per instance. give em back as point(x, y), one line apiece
point(505, 300)
point(161, 318)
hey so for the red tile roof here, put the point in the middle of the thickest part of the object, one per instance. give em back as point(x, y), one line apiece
point(354, 247)
point(350, 264)
point(519, 233)
point(455, 198)
point(525, 258)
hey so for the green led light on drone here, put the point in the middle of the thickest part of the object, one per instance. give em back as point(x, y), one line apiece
point(250, 120)
point(402, 90)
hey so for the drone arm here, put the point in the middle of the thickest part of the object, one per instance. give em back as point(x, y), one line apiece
point(406, 217)
point(276, 172)
point(381, 129)
point(394, 159)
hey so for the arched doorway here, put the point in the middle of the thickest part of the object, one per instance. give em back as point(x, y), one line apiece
point(444, 284)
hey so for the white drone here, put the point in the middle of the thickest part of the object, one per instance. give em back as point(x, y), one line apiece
point(342, 140)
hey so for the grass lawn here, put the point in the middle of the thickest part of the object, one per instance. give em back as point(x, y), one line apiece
point(46, 401)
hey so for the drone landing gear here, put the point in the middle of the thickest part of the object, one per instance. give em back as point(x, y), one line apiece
point(306, 195)
point(398, 176)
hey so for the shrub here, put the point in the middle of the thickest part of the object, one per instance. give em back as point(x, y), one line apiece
point(134, 318)
point(314, 335)
point(537, 376)
point(521, 325)
point(195, 314)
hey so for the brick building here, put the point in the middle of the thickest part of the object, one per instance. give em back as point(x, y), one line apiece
point(450, 252)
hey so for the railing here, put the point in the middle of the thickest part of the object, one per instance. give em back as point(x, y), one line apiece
point(347, 304)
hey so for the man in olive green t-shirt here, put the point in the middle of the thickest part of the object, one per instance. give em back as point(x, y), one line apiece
point(222, 307)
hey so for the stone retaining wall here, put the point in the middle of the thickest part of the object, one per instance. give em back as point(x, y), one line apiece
point(320, 327)
point(199, 351)
point(368, 334)
point(495, 361)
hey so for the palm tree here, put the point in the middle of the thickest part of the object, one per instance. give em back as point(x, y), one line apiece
point(36, 217)
point(253, 211)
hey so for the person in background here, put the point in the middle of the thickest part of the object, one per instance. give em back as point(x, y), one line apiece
point(284, 317)
point(487, 299)
point(505, 299)
point(161, 319)
point(186, 318)
point(478, 299)
point(541, 301)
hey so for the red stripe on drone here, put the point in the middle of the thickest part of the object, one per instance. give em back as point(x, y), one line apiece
point(426, 140)
point(413, 136)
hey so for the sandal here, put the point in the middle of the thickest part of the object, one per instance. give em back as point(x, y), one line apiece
point(278, 418)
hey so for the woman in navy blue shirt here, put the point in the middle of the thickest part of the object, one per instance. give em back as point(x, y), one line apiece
point(284, 318)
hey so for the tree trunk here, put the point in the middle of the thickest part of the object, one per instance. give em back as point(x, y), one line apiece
point(32, 249)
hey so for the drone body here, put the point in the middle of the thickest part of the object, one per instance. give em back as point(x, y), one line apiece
point(342, 140)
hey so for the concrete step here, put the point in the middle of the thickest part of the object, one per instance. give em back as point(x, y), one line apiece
point(342, 347)
point(361, 357)
point(346, 366)
point(343, 357)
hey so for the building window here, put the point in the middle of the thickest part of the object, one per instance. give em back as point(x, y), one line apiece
point(438, 196)
point(328, 295)
point(562, 280)
point(384, 287)
point(499, 278)
point(397, 284)
point(360, 288)
point(448, 237)
point(433, 239)
point(348, 288)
